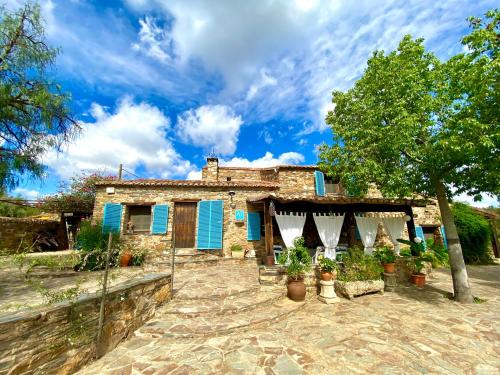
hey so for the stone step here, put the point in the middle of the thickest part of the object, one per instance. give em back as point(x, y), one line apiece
point(214, 293)
point(216, 307)
point(178, 326)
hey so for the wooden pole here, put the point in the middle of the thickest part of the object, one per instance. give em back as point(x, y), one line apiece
point(103, 296)
point(268, 239)
point(172, 271)
point(120, 170)
point(410, 224)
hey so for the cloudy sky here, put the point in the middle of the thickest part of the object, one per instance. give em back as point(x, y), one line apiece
point(159, 84)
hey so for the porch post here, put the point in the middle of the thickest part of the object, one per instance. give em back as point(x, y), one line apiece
point(268, 239)
point(410, 224)
point(351, 228)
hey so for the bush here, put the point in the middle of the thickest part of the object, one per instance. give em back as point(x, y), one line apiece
point(439, 254)
point(474, 233)
point(327, 264)
point(92, 243)
point(385, 255)
point(358, 266)
point(297, 259)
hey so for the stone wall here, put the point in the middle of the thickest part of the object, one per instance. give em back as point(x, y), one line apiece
point(233, 232)
point(299, 181)
point(61, 338)
point(18, 233)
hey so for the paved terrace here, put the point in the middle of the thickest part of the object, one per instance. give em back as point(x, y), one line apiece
point(240, 329)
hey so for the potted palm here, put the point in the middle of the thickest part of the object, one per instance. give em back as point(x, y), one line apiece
point(328, 268)
point(297, 262)
point(386, 257)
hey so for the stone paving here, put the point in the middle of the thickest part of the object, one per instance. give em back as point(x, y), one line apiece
point(410, 331)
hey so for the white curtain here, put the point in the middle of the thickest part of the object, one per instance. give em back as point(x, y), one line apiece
point(291, 226)
point(395, 227)
point(367, 227)
point(329, 228)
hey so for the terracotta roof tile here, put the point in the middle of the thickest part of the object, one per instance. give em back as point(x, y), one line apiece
point(194, 183)
point(285, 166)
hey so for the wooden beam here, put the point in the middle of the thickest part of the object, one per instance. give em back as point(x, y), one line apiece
point(268, 229)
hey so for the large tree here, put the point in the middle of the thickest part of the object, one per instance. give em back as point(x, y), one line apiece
point(412, 124)
point(34, 111)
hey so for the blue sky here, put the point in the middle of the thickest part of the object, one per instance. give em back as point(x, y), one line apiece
point(159, 84)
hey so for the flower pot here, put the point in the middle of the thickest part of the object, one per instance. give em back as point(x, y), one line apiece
point(418, 279)
point(125, 259)
point(326, 276)
point(269, 260)
point(389, 267)
point(296, 290)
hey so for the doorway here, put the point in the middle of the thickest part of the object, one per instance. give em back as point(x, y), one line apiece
point(185, 224)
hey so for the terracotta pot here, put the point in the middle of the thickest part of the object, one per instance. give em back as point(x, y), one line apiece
point(418, 279)
point(389, 267)
point(125, 259)
point(326, 276)
point(269, 260)
point(296, 290)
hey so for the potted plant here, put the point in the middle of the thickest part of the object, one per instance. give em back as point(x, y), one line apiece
point(328, 268)
point(297, 261)
point(237, 251)
point(138, 257)
point(387, 258)
point(125, 257)
point(417, 277)
point(420, 256)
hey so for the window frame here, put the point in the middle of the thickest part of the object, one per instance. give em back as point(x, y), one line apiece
point(130, 208)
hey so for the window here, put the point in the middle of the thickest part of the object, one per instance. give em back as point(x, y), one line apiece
point(228, 178)
point(331, 186)
point(140, 217)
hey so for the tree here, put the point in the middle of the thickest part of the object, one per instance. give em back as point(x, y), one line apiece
point(412, 124)
point(78, 197)
point(34, 112)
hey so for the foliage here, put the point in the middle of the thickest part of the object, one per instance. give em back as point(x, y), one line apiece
point(474, 232)
point(327, 264)
point(78, 197)
point(34, 111)
point(439, 253)
point(138, 256)
point(15, 207)
point(92, 242)
point(236, 247)
point(416, 248)
point(426, 256)
point(385, 255)
point(297, 259)
point(358, 266)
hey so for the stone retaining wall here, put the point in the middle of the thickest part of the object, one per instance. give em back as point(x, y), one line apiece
point(17, 233)
point(61, 338)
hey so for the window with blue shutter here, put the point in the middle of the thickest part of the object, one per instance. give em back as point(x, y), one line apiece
point(443, 234)
point(112, 218)
point(253, 226)
point(319, 179)
point(160, 219)
point(210, 223)
point(419, 232)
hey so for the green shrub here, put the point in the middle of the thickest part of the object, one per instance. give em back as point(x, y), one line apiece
point(236, 247)
point(138, 257)
point(385, 255)
point(474, 233)
point(358, 266)
point(327, 264)
point(297, 259)
point(92, 243)
point(439, 254)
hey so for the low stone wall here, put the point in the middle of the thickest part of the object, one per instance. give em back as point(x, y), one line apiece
point(17, 233)
point(61, 338)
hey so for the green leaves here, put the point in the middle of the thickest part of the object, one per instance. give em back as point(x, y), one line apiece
point(411, 120)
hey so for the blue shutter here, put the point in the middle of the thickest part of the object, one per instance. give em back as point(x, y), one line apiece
point(112, 219)
point(419, 232)
point(160, 219)
point(253, 226)
point(443, 234)
point(210, 223)
point(358, 235)
point(216, 223)
point(319, 178)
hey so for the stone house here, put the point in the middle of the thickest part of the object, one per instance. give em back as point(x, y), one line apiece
point(236, 205)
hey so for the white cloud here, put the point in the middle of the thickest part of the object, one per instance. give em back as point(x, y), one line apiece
point(154, 41)
point(134, 135)
point(26, 193)
point(268, 160)
point(211, 127)
point(194, 175)
point(487, 200)
point(264, 81)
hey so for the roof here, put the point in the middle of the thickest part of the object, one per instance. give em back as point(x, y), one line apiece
point(285, 166)
point(486, 213)
point(288, 198)
point(189, 183)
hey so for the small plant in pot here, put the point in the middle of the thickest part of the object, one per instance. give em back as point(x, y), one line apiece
point(125, 257)
point(328, 268)
point(237, 251)
point(297, 261)
point(387, 258)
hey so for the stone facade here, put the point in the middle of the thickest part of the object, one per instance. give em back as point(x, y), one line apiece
point(234, 186)
point(18, 233)
point(61, 338)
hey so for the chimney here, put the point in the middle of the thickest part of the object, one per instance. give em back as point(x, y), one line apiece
point(212, 169)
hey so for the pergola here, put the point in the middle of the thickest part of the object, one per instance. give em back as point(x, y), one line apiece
point(341, 204)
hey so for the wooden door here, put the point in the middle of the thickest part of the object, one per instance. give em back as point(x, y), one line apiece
point(185, 223)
